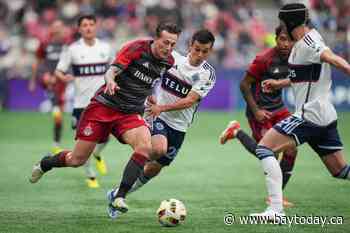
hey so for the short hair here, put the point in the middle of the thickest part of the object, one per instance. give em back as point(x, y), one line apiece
point(279, 30)
point(169, 27)
point(203, 36)
point(89, 17)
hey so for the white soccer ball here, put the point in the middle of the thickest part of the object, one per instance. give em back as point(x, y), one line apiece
point(171, 213)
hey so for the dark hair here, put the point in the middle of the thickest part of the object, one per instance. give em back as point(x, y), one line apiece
point(203, 36)
point(169, 27)
point(279, 30)
point(89, 17)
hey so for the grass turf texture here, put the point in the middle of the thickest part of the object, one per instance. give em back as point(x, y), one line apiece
point(210, 179)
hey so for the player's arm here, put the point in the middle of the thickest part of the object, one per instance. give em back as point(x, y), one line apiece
point(63, 77)
point(245, 86)
point(271, 85)
point(111, 74)
point(328, 56)
point(35, 66)
point(63, 65)
point(187, 102)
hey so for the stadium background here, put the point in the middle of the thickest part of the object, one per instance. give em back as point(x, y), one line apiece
point(209, 178)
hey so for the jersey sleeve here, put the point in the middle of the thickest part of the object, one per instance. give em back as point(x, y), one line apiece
point(125, 56)
point(257, 68)
point(40, 52)
point(315, 49)
point(205, 82)
point(65, 59)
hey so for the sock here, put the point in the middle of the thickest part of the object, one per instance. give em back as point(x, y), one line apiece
point(99, 147)
point(248, 142)
point(287, 164)
point(58, 160)
point(57, 132)
point(344, 173)
point(89, 171)
point(273, 176)
point(131, 172)
point(141, 181)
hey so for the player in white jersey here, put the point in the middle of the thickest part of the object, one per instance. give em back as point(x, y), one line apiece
point(88, 59)
point(315, 118)
point(177, 99)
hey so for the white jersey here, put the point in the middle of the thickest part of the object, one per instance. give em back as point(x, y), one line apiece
point(88, 63)
point(177, 82)
point(311, 80)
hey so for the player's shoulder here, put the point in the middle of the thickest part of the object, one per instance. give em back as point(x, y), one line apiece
point(136, 44)
point(208, 70)
point(312, 40)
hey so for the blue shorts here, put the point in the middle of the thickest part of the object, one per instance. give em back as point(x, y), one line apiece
point(175, 139)
point(76, 116)
point(324, 140)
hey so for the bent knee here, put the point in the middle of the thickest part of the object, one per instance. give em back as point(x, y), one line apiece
point(145, 150)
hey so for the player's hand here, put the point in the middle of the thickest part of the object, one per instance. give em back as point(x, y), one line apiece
point(269, 85)
point(111, 87)
point(153, 110)
point(151, 100)
point(67, 78)
point(262, 115)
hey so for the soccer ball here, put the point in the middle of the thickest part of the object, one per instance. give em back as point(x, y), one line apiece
point(171, 213)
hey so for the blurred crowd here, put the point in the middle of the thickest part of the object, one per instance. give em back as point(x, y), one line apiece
point(240, 26)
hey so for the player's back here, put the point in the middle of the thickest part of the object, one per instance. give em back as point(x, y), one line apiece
point(311, 80)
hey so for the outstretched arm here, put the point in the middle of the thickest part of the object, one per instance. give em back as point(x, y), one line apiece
point(184, 103)
point(333, 59)
point(271, 85)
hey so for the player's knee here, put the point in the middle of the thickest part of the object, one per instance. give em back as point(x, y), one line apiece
point(344, 173)
point(144, 149)
point(158, 152)
point(152, 169)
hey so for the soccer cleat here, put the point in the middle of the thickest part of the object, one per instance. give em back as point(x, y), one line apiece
point(37, 173)
point(56, 149)
point(92, 183)
point(285, 202)
point(230, 132)
point(116, 205)
point(101, 166)
point(269, 215)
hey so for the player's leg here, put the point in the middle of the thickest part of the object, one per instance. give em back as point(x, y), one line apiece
point(81, 152)
point(152, 168)
point(100, 162)
point(336, 165)
point(90, 174)
point(139, 139)
point(287, 164)
point(58, 91)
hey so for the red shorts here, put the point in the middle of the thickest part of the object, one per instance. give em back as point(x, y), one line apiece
point(99, 120)
point(56, 90)
point(260, 128)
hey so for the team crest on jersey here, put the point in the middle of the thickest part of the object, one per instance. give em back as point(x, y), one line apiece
point(159, 126)
point(88, 131)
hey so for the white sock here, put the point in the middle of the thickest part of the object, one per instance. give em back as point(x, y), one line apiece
point(138, 184)
point(99, 147)
point(273, 176)
point(89, 171)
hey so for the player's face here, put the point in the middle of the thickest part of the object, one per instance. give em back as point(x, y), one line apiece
point(87, 29)
point(57, 30)
point(164, 44)
point(284, 44)
point(199, 52)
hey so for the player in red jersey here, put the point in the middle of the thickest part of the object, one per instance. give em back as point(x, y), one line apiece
point(47, 56)
point(117, 108)
point(265, 109)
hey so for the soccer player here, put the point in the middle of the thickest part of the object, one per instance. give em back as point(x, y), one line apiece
point(88, 58)
point(117, 107)
point(315, 119)
point(178, 96)
point(47, 56)
point(265, 109)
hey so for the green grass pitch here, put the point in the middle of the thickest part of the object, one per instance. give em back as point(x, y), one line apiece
point(210, 179)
